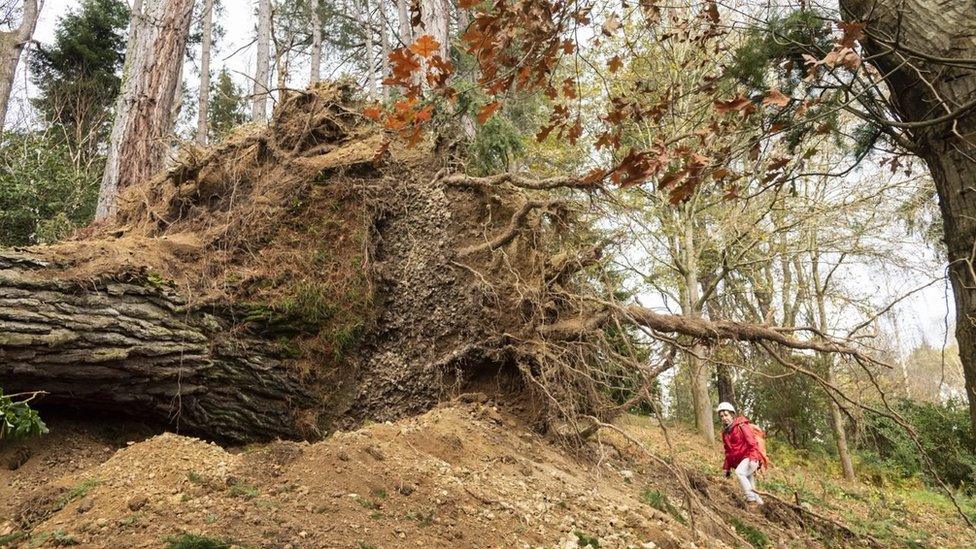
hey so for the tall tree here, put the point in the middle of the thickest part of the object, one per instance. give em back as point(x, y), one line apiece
point(76, 76)
point(385, 47)
point(144, 110)
point(228, 106)
point(206, 41)
point(926, 52)
point(403, 19)
point(259, 94)
point(365, 16)
point(12, 44)
point(316, 68)
point(435, 19)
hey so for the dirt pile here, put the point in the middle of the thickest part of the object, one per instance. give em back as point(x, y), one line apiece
point(469, 473)
point(465, 475)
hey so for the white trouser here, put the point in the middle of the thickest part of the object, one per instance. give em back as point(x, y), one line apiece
point(745, 472)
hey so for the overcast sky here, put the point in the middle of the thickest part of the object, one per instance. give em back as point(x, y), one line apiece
point(923, 315)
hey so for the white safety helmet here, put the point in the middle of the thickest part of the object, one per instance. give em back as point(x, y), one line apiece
point(725, 406)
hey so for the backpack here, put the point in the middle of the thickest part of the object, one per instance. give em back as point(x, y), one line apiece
point(760, 445)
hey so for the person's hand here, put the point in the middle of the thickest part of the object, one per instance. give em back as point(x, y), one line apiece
point(728, 473)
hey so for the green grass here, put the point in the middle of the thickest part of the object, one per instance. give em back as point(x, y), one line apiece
point(244, 491)
point(194, 477)
point(584, 540)
point(424, 519)
point(60, 537)
point(9, 538)
point(750, 533)
point(195, 541)
point(661, 502)
point(79, 491)
point(130, 520)
point(368, 503)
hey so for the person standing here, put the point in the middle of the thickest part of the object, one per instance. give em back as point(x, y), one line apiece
point(742, 451)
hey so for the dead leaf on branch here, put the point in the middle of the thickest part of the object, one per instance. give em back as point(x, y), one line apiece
point(488, 111)
point(740, 104)
point(425, 46)
point(776, 97)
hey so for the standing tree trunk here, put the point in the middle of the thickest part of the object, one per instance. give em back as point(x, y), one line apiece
point(925, 49)
point(144, 109)
point(205, 43)
point(259, 95)
point(385, 46)
point(435, 20)
point(366, 20)
point(697, 368)
point(11, 46)
point(836, 417)
point(403, 18)
point(316, 70)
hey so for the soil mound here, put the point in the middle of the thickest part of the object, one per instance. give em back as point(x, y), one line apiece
point(463, 475)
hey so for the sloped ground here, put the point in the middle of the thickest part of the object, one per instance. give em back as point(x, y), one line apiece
point(466, 474)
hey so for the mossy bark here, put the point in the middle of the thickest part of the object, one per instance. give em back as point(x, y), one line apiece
point(137, 348)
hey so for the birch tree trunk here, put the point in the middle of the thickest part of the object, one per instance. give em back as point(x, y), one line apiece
point(925, 49)
point(205, 43)
point(144, 109)
point(403, 17)
point(316, 69)
point(259, 94)
point(12, 44)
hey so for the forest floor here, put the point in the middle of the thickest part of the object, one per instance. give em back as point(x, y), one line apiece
point(469, 473)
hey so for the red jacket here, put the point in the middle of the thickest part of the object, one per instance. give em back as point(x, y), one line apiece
point(740, 443)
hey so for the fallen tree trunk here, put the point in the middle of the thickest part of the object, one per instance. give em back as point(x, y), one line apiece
point(283, 284)
point(137, 348)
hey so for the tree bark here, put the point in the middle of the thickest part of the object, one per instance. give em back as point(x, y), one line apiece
point(910, 41)
point(12, 44)
point(435, 21)
point(316, 68)
point(836, 417)
point(205, 43)
point(138, 349)
point(697, 368)
point(366, 19)
point(144, 110)
point(385, 46)
point(403, 17)
point(259, 93)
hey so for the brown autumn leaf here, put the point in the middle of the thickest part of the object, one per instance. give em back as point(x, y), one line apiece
point(424, 114)
point(740, 103)
point(595, 175)
point(373, 113)
point(488, 111)
point(775, 97)
point(425, 46)
point(614, 64)
point(381, 151)
point(404, 64)
point(853, 32)
point(611, 25)
point(468, 4)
